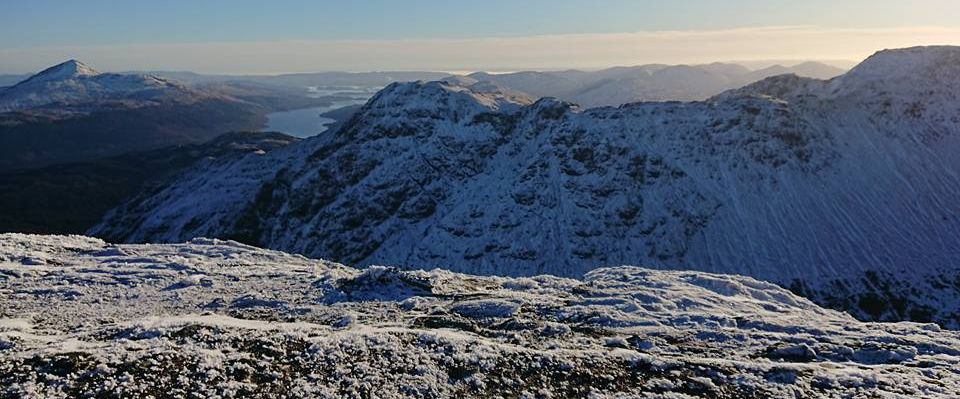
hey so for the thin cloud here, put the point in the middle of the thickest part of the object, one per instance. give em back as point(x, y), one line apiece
point(511, 53)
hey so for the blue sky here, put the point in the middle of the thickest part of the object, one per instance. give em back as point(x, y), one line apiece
point(70, 22)
point(35, 27)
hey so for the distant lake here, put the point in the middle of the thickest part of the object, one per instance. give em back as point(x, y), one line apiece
point(307, 122)
point(301, 122)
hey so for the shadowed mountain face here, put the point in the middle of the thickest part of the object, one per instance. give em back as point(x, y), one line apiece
point(30, 139)
point(616, 86)
point(70, 198)
point(843, 190)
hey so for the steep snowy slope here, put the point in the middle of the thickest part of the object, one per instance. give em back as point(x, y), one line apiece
point(81, 318)
point(843, 190)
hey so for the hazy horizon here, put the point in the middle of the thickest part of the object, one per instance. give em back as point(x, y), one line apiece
point(293, 36)
point(751, 64)
point(539, 53)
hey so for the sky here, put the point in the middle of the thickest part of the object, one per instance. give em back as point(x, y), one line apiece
point(247, 36)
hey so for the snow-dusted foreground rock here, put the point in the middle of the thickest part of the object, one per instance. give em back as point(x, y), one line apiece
point(79, 317)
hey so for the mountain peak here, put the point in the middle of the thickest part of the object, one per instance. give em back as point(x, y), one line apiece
point(908, 70)
point(66, 70)
point(475, 98)
point(908, 61)
point(73, 82)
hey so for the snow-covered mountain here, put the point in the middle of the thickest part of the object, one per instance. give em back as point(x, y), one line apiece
point(655, 82)
point(843, 190)
point(816, 70)
point(208, 318)
point(71, 113)
point(72, 83)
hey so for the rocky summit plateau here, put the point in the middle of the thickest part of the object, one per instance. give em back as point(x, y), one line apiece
point(210, 318)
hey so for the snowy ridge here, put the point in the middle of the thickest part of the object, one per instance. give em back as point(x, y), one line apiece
point(622, 85)
point(842, 190)
point(903, 69)
point(81, 317)
point(74, 83)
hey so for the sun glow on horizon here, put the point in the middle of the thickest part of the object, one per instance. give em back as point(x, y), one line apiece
point(501, 54)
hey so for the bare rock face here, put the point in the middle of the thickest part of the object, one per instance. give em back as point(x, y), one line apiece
point(842, 190)
point(80, 317)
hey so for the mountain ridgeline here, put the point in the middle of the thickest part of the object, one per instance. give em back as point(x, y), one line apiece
point(654, 82)
point(72, 113)
point(843, 190)
point(75, 83)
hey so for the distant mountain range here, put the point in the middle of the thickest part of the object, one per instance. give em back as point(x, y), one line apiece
point(300, 80)
point(616, 86)
point(843, 190)
point(612, 86)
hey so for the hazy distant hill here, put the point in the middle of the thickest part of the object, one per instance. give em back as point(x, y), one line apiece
point(74, 84)
point(300, 80)
point(655, 82)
